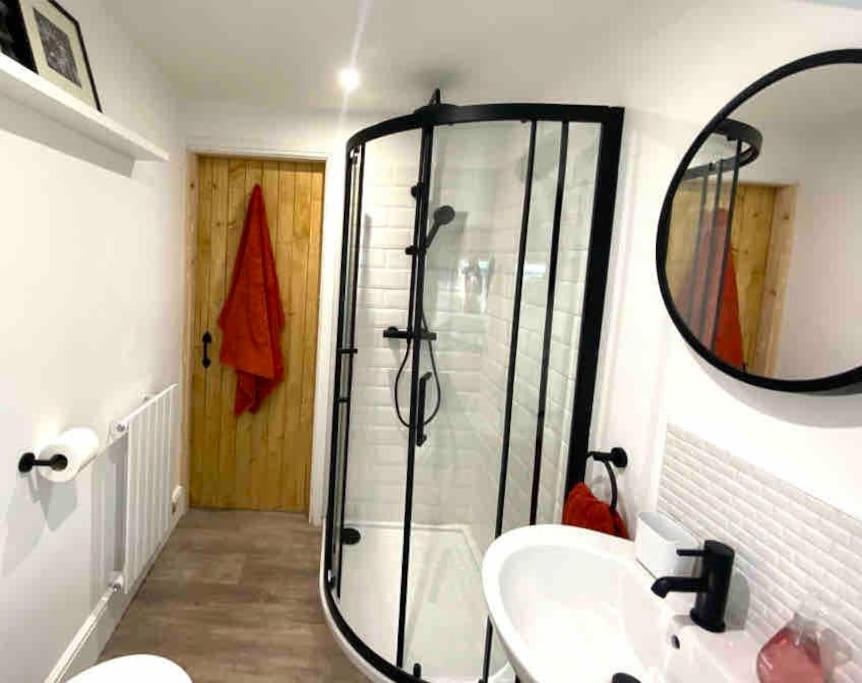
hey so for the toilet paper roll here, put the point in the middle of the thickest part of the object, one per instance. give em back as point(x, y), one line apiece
point(79, 445)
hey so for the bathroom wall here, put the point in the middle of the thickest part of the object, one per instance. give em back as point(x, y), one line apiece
point(92, 274)
point(672, 81)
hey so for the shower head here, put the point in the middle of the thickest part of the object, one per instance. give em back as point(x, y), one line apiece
point(443, 215)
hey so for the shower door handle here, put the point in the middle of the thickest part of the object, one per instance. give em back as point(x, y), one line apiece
point(421, 436)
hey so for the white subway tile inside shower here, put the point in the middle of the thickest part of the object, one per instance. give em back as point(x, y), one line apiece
point(457, 475)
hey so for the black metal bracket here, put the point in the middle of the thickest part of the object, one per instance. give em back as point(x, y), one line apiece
point(393, 332)
point(618, 458)
point(28, 461)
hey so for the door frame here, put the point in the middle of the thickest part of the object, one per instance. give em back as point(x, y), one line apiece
point(330, 250)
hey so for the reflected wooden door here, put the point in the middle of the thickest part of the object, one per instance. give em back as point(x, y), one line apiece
point(260, 461)
point(761, 242)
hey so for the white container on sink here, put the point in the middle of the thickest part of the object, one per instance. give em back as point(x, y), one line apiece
point(656, 542)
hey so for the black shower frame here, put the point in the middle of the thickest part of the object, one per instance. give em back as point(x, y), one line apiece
point(847, 382)
point(425, 119)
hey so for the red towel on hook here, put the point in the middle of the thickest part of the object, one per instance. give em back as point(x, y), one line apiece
point(583, 509)
point(252, 316)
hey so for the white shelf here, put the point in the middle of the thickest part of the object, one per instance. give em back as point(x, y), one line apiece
point(26, 87)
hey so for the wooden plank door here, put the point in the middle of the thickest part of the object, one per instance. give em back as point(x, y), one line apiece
point(261, 461)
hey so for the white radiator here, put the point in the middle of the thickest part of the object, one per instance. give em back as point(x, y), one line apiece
point(150, 432)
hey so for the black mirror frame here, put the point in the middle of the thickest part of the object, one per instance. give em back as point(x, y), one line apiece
point(848, 382)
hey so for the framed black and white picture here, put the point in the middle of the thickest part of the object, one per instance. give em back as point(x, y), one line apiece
point(57, 48)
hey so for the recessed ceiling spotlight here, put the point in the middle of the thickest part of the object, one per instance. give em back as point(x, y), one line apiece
point(348, 79)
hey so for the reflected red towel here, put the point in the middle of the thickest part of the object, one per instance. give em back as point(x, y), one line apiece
point(728, 343)
point(583, 509)
point(252, 316)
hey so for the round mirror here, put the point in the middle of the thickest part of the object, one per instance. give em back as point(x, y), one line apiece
point(759, 249)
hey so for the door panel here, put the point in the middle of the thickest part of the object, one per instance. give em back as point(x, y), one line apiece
point(260, 461)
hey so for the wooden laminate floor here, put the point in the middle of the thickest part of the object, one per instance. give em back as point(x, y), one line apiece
point(233, 599)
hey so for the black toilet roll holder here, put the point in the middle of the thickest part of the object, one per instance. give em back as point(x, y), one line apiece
point(57, 462)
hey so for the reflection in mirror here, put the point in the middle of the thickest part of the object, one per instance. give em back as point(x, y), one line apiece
point(763, 241)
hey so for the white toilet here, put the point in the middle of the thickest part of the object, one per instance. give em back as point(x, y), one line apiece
point(134, 669)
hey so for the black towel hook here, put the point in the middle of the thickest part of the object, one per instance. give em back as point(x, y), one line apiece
point(618, 458)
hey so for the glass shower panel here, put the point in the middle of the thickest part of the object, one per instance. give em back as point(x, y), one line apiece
point(376, 464)
point(575, 224)
point(531, 320)
point(486, 350)
point(540, 428)
point(344, 361)
point(478, 171)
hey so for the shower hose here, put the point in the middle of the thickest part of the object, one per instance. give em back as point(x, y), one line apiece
point(433, 371)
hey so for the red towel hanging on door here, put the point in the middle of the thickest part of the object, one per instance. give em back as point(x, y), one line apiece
point(252, 316)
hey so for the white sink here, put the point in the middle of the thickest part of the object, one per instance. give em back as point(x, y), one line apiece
point(571, 605)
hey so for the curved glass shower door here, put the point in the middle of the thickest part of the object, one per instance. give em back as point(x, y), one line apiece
point(474, 215)
point(371, 467)
point(471, 295)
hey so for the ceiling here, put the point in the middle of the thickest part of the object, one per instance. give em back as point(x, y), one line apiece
point(286, 54)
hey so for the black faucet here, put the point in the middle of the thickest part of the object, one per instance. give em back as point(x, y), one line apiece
point(712, 586)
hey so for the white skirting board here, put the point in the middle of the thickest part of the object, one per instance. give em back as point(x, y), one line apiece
point(85, 647)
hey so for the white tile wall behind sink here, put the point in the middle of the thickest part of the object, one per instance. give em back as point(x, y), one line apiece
point(788, 544)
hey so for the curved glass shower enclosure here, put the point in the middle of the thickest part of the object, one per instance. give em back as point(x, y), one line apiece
point(473, 272)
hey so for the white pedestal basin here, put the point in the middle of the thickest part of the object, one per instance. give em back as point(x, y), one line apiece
point(571, 605)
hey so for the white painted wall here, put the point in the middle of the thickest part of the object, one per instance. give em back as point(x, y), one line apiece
point(821, 330)
point(671, 83)
point(91, 269)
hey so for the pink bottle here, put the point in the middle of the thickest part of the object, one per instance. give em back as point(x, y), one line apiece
point(793, 654)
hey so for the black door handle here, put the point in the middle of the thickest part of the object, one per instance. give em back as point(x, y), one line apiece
point(421, 436)
point(207, 340)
